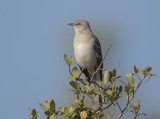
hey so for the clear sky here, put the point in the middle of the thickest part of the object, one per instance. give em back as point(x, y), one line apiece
point(34, 36)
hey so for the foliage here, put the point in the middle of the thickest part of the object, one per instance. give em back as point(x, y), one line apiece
point(111, 92)
point(33, 114)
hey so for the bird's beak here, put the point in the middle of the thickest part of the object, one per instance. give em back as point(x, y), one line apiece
point(71, 24)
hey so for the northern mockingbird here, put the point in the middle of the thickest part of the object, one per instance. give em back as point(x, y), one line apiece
point(87, 51)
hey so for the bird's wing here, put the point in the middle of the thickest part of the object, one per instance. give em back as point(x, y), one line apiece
point(97, 48)
point(85, 71)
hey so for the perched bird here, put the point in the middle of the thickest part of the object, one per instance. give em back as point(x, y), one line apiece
point(87, 51)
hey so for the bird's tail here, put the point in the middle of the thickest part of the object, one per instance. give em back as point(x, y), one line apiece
point(97, 99)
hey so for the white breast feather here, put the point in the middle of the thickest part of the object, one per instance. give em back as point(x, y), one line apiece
point(85, 56)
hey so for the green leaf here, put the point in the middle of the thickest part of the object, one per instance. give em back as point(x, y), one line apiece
point(109, 92)
point(139, 71)
point(52, 117)
point(86, 88)
point(138, 101)
point(133, 108)
point(99, 82)
point(113, 86)
point(75, 72)
point(71, 109)
point(135, 69)
point(128, 94)
point(70, 77)
point(48, 103)
point(118, 77)
point(153, 74)
point(78, 101)
point(43, 107)
point(131, 105)
point(106, 76)
point(150, 75)
point(127, 88)
point(61, 109)
point(47, 113)
point(71, 89)
point(130, 78)
point(149, 69)
point(73, 84)
point(71, 58)
point(34, 112)
point(101, 115)
point(66, 59)
point(66, 112)
point(114, 73)
point(78, 85)
point(134, 85)
point(136, 109)
point(92, 91)
point(52, 105)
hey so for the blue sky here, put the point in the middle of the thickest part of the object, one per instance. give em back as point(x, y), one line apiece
point(34, 36)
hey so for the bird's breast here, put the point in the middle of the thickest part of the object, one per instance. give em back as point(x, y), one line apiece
point(85, 55)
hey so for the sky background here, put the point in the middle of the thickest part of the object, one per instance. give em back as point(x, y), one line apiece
point(34, 36)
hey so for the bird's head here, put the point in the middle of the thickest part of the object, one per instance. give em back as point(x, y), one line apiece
point(81, 26)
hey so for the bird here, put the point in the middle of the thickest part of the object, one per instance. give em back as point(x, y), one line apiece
point(88, 54)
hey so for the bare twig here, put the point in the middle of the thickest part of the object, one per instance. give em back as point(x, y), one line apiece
point(140, 83)
point(117, 66)
point(118, 106)
point(98, 85)
point(101, 63)
point(138, 77)
point(70, 70)
point(142, 114)
point(102, 109)
point(115, 79)
point(80, 75)
point(129, 100)
point(135, 116)
point(122, 81)
point(81, 80)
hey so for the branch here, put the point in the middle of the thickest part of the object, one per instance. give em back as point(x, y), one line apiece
point(98, 85)
point(135, 116)
point(138, 77)
point(141, 114)
point(70, 70)
point(126, 107)
point(140, 83)
point(77, 79)
point(118, 106)
point(117, 66)
point(102, 109)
